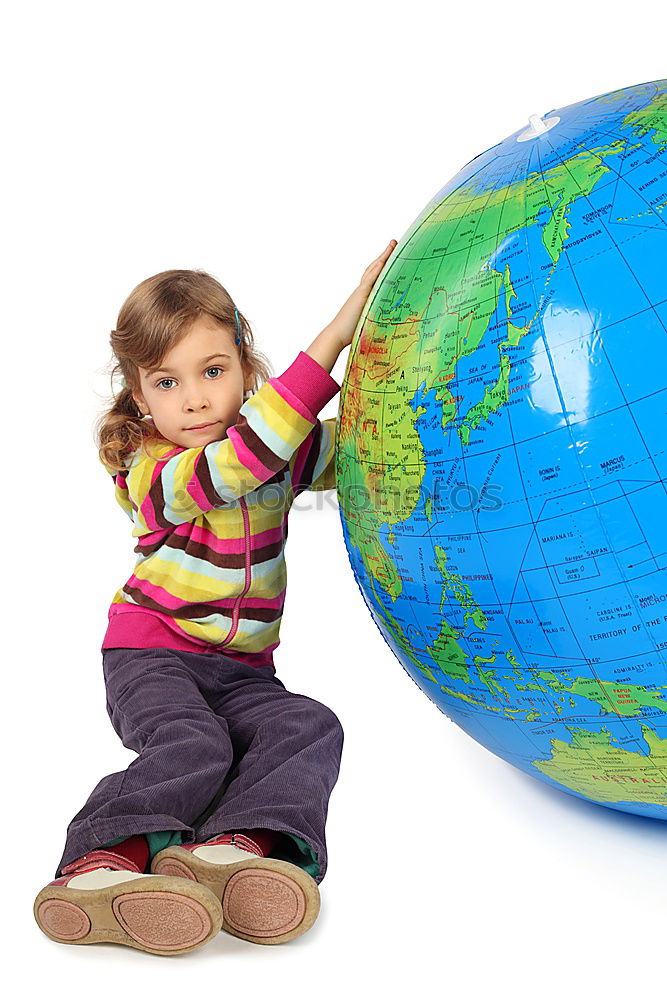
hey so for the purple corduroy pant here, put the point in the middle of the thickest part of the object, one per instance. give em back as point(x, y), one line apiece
point(222, 746)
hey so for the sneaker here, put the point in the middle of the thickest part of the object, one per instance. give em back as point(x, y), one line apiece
point(102, 897)
point(264, 900)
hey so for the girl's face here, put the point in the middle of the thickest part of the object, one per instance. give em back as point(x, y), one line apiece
point(200, 381)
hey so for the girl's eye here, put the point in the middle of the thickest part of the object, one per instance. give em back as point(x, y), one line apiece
point(213, 368)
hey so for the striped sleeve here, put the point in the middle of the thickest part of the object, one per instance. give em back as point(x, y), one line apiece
point(122, 494)
point(120, 484)
point(314, 467)
point(185, 482)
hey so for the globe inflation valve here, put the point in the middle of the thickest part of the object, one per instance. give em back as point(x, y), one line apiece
point(538, 126)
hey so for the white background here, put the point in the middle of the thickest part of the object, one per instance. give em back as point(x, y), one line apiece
point(281, 146)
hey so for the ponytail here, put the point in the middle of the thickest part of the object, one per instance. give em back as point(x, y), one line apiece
point(121, 431)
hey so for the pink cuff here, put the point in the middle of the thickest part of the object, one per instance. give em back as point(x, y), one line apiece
point(310, 382)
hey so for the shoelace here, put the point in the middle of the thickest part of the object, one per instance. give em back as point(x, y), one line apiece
point(237, 840)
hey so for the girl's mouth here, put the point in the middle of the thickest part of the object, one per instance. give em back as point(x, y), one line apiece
point(201, 427)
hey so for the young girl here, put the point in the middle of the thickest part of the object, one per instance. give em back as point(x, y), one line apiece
point(220, 820)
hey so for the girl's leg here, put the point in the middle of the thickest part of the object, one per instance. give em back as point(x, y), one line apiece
point(288, 748)
point(157, 708)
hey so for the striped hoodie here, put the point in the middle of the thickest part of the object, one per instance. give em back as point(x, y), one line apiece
point(211, 523)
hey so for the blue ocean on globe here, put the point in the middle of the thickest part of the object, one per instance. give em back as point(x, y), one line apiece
point(501, 449)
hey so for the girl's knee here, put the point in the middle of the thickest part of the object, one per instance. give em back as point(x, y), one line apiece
point(324, 718)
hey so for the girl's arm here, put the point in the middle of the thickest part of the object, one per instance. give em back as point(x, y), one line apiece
point(314, 467)
point(338, 334)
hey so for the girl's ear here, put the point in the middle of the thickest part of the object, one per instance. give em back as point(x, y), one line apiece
point(247, 378)
point(140, 403)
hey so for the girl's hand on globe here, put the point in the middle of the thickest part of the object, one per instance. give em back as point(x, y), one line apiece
point(345, 322)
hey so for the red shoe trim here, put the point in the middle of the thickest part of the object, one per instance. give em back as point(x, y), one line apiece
point(100, 859)
point(236, 840)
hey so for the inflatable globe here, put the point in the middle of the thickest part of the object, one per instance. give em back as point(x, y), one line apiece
point(501, 451)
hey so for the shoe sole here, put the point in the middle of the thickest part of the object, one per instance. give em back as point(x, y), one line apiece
point(264, 900)
point(163, 920)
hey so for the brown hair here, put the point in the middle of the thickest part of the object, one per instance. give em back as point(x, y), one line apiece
point(153, 319)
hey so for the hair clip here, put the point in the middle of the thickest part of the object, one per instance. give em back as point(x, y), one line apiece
point(123, 382)
point(238, 332)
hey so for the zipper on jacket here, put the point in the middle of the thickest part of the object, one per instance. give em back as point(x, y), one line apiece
point(237, 606)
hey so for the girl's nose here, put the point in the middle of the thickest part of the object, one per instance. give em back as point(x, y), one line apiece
point(196, 402)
